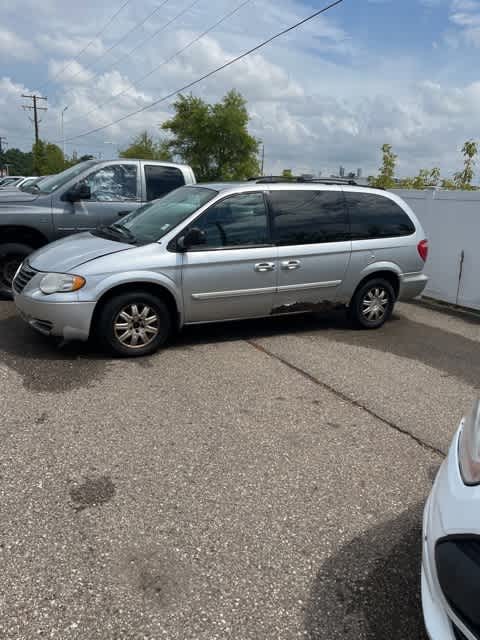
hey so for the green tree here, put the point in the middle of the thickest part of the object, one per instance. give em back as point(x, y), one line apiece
point(425, 179)
point(463, 179)
point(385, 179)
point(446, 183)
point(287, 173)
point(214, 138)
point(19, 163)
point(144, 147)
point(47, 158)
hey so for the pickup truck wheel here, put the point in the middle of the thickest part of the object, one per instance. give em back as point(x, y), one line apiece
point(11, 257)
point(133, 324)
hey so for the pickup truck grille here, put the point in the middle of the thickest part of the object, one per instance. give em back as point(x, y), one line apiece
point(24, 276)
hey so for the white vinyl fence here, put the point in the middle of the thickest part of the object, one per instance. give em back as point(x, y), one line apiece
point(451, 220)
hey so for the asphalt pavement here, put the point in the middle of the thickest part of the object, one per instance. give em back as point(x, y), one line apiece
point(255, 480)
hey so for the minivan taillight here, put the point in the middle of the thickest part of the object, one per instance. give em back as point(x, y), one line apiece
point(422, 249)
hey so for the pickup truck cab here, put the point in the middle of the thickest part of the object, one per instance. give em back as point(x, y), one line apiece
point(80, 198)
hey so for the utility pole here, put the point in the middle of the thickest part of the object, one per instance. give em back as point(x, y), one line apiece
point(2, 140)
point(35, 108)
point(63, 135)
point(263, 156)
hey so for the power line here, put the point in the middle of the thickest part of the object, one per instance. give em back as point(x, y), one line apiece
point(167, 60)
point(97, 35)
point(211, 73)
point(115, 44)
point(25, 140)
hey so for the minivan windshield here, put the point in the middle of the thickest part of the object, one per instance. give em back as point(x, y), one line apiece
point(52, 183)
point(152, 221)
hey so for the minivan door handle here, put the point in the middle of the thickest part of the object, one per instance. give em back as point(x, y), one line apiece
point(264, 266)
point(289, 265)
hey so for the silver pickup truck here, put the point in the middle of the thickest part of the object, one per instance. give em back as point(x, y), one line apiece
point(81, 198)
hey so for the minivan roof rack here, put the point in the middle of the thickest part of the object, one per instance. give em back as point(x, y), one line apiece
point(300, 179)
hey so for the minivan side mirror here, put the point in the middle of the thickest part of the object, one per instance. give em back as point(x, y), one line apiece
point(193, 237)
point(80, 191)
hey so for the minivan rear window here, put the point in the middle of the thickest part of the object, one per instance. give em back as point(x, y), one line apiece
point(308, 217)
point(375, 216)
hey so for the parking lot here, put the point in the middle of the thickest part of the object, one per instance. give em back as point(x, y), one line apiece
point(255, 480)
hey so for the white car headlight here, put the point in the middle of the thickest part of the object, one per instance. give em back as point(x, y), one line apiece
point(60, 283)
point(469, 447)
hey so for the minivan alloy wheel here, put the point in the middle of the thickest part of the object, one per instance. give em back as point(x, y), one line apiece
point(136, 325)
point(375, 303)
point(372, 303)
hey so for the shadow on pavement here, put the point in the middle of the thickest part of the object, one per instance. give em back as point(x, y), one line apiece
point(371, 588)
point(41, 362)
point(46, 364)
point(261, 328)
point(439, 349)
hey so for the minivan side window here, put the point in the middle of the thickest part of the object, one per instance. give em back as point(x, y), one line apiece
point(375, 216)
point(235, 221)
point(162, 180)
point(308, 217)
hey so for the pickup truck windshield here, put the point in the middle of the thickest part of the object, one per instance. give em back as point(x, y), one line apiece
point(152, 221)
point(52, 183)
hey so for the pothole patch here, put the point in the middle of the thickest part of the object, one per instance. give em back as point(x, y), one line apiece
point(92, 492)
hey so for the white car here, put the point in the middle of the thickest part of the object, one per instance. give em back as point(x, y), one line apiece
point(451, 540)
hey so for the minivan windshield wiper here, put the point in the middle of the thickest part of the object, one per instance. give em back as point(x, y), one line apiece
point(124, 230)
point(116, 231)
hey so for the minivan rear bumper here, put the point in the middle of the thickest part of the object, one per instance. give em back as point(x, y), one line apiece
point(412, 285)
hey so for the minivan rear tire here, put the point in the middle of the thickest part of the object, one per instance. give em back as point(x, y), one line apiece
point(133, 324)
point(372, 304)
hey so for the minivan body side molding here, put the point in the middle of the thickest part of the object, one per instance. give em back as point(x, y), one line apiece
point(310, 285)
point(213, 295)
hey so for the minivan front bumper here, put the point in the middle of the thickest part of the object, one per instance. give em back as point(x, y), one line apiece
point(69, 320)
point(412, 285)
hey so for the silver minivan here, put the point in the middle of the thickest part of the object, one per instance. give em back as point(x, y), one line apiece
point(215, 252)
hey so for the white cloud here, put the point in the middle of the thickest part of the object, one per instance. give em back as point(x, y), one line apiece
point(15, 47)
point(69, 72)
point(465, 15)
point(318, 98)
point(70, 46)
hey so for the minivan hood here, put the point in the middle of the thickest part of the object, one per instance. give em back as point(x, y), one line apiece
point(64, 255)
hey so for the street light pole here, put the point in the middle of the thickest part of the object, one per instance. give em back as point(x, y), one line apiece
point(63, 134)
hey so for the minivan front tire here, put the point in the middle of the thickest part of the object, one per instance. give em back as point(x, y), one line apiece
point(372, 304)
point(133, 324)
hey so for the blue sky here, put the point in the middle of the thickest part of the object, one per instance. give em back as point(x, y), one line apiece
point(331, 93)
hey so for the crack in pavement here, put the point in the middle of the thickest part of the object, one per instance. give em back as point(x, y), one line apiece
point(347, 398)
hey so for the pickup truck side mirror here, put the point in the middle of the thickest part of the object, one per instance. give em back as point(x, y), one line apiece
point(193, 237)
point(80, 191)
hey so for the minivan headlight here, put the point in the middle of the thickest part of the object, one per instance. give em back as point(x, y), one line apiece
point(60, 283)
point(469, 447)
